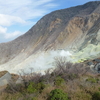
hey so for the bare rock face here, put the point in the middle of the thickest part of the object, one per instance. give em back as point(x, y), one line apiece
point(70, 29)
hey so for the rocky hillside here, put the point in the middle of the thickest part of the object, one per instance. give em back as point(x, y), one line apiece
point(72, 29)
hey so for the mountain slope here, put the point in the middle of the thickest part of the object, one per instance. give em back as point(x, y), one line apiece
point(69, 29)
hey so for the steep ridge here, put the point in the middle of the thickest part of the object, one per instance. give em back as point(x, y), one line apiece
point(69, 29)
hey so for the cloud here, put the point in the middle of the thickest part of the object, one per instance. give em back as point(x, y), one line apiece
point(25, 9)
point(7, 20)
point(3, 31)
point(20, 12)
point(12, 35)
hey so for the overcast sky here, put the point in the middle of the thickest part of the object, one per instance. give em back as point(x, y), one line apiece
point(18, 16)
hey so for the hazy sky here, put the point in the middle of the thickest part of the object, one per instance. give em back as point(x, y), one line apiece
point(18, 16)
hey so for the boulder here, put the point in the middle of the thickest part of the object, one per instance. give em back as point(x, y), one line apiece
point(4, 80)
point(97, 60)
point(97, 67)
point(19, 80)
point(90, 63)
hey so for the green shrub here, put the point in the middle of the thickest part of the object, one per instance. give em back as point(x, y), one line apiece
point(40, 86)
point(92, 80)
point(57, 94)
point(31, 87)
point(59, 81)
point(72, 76)
point(34, 98)
point(99, 88)
point(96, 96)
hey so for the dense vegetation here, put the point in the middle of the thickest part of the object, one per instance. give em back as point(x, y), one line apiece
point(67, 82)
